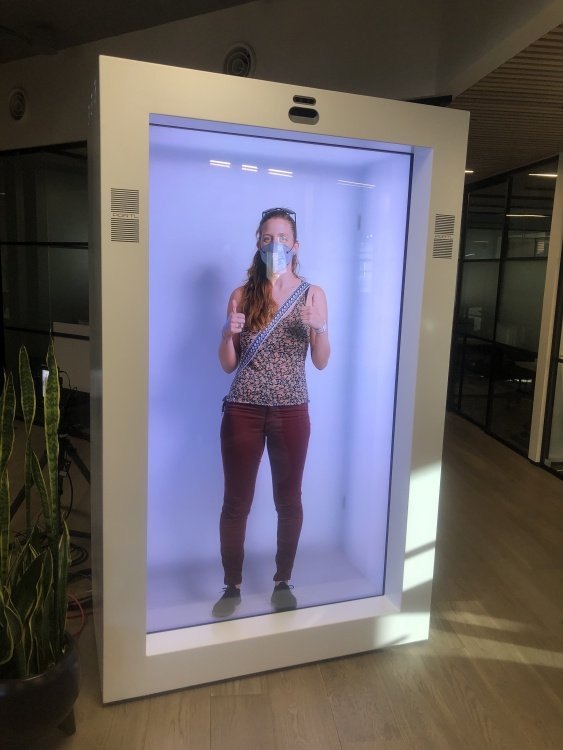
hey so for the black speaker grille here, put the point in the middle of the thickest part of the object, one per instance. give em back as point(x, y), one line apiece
point(124, 230)
point(443, 236)
point(125, 200)
point(124, 215)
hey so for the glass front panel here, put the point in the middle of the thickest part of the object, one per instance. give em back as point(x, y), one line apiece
point(25, 279)
point(509, 221)
point(454, 382)
point(514, 373)
point(529, 212)
point(42, 285)
point(68, 284)
point(476, 362)
point(478, 299)
point(521, 300)
point(45, 196)
point(526, 240)
point(486, 209)
point(207, 193)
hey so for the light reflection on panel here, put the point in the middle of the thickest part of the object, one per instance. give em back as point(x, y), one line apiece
point(207, 193)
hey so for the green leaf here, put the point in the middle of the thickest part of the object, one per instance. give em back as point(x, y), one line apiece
point(39, 482)
point(28, 404)
point(45, 633)
point(4, 527)
point(33, 571)
point(45, 624)
point(27, 390)
point(61, 596)
point(7, 421)
point(22, 555)
point(8, 405)
point(26, 652)
point(24, 594)
point(52, 414)
point(43, 597)
point(11, 629)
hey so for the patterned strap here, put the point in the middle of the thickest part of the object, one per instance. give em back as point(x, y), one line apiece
point(250, 353)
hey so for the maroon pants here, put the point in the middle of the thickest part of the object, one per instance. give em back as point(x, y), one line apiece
point(245, 430)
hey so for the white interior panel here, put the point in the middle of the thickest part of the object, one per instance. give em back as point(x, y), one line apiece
point(207, 192)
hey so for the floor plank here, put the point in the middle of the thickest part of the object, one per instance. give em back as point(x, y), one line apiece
point(303, 718)
point(490, 677)
point(240, 722)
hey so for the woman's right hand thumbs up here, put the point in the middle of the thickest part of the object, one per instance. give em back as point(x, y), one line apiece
point(235, 320)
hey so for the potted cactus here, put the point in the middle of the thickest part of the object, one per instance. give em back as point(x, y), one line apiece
point(38, 659)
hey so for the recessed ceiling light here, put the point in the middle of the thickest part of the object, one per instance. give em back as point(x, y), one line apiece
point(280, 172)
point(351, 183)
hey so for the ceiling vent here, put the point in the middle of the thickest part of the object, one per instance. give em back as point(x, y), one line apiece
point(240, 60)
point(17, 104)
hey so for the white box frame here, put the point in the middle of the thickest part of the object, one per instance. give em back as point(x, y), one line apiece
point(133, 663)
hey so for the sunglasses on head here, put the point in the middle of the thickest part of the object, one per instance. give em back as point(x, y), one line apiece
point(273, 211)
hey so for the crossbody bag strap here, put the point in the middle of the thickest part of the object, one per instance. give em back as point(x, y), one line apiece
point(250, 353)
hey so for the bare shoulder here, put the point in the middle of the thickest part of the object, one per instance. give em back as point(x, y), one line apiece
point(314, 289)
point(316, 294)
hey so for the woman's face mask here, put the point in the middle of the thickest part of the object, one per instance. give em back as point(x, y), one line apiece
point(276, 256)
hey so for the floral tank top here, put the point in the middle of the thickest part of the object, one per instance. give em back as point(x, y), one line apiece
point(275, 376)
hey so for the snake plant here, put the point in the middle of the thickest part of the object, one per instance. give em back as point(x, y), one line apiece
point(34, 564)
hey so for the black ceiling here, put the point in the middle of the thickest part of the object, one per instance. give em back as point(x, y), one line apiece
point(32, 27)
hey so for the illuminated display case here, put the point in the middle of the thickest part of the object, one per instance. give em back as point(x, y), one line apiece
point(182, 165)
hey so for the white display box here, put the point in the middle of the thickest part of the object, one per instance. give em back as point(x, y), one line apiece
point(182, 163)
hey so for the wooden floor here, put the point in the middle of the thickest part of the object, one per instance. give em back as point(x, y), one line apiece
point(490, 676)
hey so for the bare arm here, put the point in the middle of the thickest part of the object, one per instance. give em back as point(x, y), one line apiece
point(229, 348)
point(315, 314)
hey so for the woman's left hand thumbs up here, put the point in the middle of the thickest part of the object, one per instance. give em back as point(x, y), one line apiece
point(311, 314)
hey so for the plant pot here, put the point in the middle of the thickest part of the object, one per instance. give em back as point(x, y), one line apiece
point(31, 706)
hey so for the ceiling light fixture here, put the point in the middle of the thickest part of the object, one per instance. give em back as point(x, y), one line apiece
point(280, 173)
point(351, 183)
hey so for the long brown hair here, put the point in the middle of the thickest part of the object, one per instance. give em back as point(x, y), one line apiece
point(257, 303)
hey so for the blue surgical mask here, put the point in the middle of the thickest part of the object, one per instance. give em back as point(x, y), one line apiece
point(276, 256)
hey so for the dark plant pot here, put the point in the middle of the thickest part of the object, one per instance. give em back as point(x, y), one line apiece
point(31, 706)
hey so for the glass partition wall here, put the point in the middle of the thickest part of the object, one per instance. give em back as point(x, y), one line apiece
point(44, 263)
point(501, 281)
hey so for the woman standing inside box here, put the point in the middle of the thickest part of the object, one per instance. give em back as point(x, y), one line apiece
point(271, 321)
